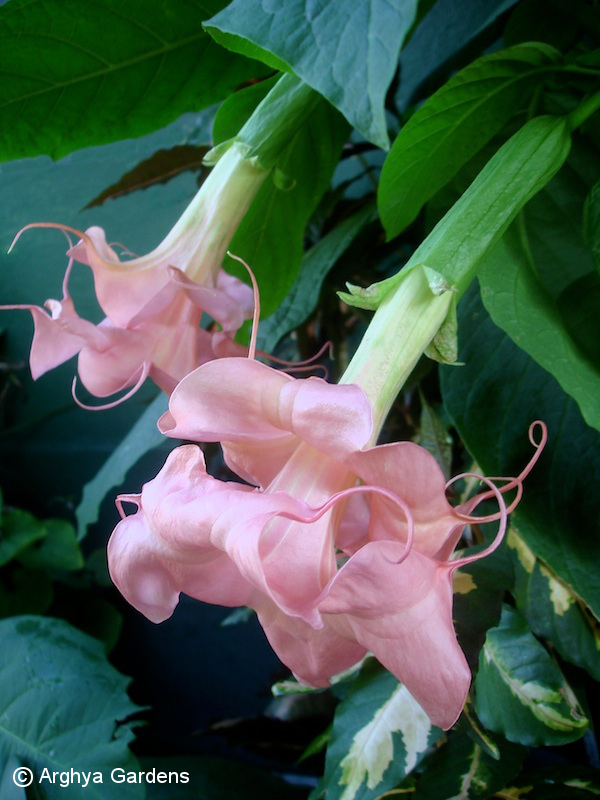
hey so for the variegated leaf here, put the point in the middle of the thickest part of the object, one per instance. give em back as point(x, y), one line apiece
point(380, 734)
point(461, 770)
point(521, 692)
point(553, 610)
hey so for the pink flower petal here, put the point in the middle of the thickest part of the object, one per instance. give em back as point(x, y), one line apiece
point(313, 655)
point(226, 303)
point(124, 290)
point(59, 336)
point(414, 475)
point(193, 517)
point(234, 399)
point(260, 414)
point(402, 613)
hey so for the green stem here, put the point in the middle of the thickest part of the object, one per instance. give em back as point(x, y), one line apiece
point(584, 111)
point(416, 305)
point(403, 326)
point(276, 120)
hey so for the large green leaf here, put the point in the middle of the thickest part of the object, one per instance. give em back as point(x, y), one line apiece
point(591, 222)
point(519, 304)
point(492, 400)
point(447, 29)
point(553, 610)
point(461, 770)
point(79, 74)
point(520, 692)
point(380, 733)
point(62, 706)
point(270, 237)
point(347, 50)
point(553, 220)
point(453, 125)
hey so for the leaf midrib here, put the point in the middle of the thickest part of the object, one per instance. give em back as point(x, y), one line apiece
point(111, 68)
point(514, 687)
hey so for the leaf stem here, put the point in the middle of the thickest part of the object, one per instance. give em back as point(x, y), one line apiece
point(584, 111)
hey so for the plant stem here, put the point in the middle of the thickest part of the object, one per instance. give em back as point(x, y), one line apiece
point(584, 111)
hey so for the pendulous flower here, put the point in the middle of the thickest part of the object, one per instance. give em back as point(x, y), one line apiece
point(154, 303)
point(341, 548)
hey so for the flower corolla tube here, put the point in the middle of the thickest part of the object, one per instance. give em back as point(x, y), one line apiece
point(340, 547)
point(154, 303)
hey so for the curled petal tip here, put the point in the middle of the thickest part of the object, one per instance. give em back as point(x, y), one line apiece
point(105, 406)
point(544, 434)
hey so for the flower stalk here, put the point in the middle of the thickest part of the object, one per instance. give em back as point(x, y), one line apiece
point(416, 308)
point(406, 322)
point(153, 304)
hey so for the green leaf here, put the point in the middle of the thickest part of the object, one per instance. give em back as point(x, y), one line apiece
point(58, 550)
point(75, 75)
point(161, 167)
point(515, 173)
point(379, 735)
point(303, 296)
point(492, 401)
point(578, 305)
point(347, 51)
point(460, 770)
point(453, 125)
point(591, 222)
point(553, 220)
point(62, 706)
point(564, 782)
point(552, 609)
point(143, 436)
point(519, 304)
point(18, 530)
point(236, 109)
point(478, 593)
point(271, 235)
point(446, 30)
point(520, 692)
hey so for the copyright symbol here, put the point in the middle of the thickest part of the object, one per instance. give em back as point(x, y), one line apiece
point(23, 776)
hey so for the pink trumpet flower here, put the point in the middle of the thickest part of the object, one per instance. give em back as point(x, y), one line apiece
point(154, 303)
point(341, 548)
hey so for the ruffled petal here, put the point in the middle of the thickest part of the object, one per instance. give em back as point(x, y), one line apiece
point(171, 344)
point(238, 291)
point(234, 399)
point(151, 576)
point(124, 290)
point(402, 613)
point(313, 655)
point(222, 304)
point(58, 336)
point(256, 464)
point(167, 548)
point(192, 514)
point(414, 475)
point(260, 415)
